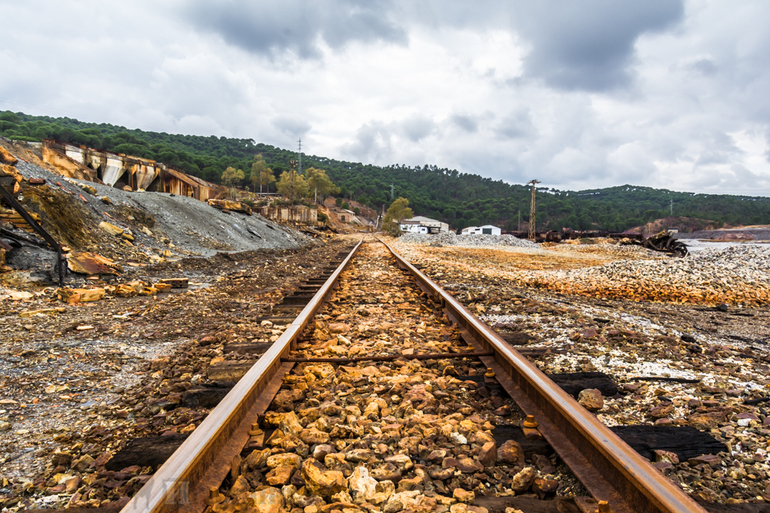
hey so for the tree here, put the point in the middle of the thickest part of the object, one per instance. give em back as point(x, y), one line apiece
point(261, 174)
point(231, 176)
point(319, 181)
point(292, 185)
point(397, 212)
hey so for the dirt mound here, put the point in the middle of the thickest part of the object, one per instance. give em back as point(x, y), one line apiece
point(134, 228)
point(66, 219)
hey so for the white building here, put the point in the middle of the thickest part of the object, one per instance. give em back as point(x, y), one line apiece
point(487, 229)
point(421, 224)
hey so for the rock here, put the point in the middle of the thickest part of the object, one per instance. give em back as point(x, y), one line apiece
point(285, 399)
point(229, 205)
point(488, 454)
point(5, 426)
point(269, 500)
point(258, 458)
point(469, 466)
point(420, 397)
point(288, 423)
point(71, 484)
point(7, 158)
point(437, 455)
point(72, 296)
point(709, 459)
point(662, 410)
point(338, 461)
point(313, 436)
point(278, 460)
point(465, 508)
point(321, 450)
point(339, 327)
point(383, 491)
point(362, 486)
point(240, 486)
point(401, 461)
point(591, 399)
point(280, 475)
point(61, 458)
point(401, 500)
point(523, 480)
point(412, 483)
point(543, 464)
point(463, 496)
point(703, 422)
point(661, 455)
point(544, 487)
point(386, 472)
point(111, 228)
point(319, 480)
point(83, 463)
point(510, 452)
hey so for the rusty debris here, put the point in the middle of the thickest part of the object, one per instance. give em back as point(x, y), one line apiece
point(230, 206)
point(83, 262)
point(72, 296)
point(11, 199)
point(174, 283)
point(664, 241)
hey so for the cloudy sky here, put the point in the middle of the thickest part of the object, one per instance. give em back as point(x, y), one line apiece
point(596, 93)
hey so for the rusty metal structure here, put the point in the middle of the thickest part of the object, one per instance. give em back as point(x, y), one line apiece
point(532, 232)
point(290, 214)
point(664, 241)
point(125, 171)
point(61, 260)
point(619, 479)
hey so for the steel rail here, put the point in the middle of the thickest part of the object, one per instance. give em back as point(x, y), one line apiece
point(608, 467)
point(182, 483)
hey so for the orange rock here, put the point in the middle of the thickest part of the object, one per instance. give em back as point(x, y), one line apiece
point(7, 158)
point(72, 296)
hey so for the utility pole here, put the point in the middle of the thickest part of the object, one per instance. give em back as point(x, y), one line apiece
point(300, 155)
point(532, 210)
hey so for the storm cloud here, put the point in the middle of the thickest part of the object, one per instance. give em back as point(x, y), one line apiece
point(296, 26)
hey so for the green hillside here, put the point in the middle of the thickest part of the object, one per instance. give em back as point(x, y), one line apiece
point(458, 198)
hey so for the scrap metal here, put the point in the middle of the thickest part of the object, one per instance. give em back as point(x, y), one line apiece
point(61, 268)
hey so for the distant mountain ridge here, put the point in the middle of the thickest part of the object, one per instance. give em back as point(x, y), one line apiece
point(460, 199)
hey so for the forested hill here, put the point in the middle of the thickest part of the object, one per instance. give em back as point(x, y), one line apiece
point(458, 198)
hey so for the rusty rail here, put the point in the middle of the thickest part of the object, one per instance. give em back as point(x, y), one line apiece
point(183, 482)
point(610, 469)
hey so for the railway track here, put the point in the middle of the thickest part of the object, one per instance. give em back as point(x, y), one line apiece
point(386, 394)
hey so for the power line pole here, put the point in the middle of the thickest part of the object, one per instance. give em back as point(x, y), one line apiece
point(532, 210)
point(300, 155)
